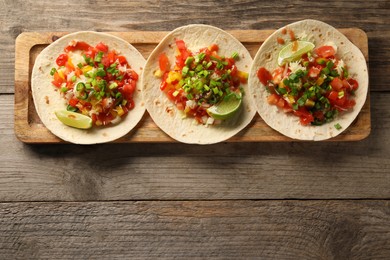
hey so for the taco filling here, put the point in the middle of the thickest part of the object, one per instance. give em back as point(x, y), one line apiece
point(197, 81)
point(95, 81)
point(315, 86)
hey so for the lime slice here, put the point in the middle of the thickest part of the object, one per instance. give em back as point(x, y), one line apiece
point(225, 109)
point(74, 119)
point(287, 54)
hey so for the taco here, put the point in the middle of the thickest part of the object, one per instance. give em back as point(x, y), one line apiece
point(195, 85)
point(88, 80)
point(308, 81)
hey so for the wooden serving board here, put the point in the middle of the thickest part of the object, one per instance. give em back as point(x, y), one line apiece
point(29, 128)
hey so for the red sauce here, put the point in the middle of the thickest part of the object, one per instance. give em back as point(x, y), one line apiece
point(284, 31)
point(280, 40)
point(264, 75)
point(292, 35)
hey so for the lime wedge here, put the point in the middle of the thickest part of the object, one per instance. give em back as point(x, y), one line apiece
point(293, 51)
point(74, 119)
point(225, 109)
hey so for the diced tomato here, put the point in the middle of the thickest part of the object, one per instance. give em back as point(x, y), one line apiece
point(129, 88)
point(349, 103)
point(338, 102)
point(83, 46)
point(58, 80)
point(73, 102)
point(325, 51)
point(132, 74)
point(62, 59)
point(337, 84)
point(350, 84)
point(305, 117)
point(333, 95)
point(111, 57)
point(319, 115)
point(180, 105)
point(102, 47)
point(122, 60)
point(163, 62)
point(275, 99)
point(129, 105)
point(213, 47)
point(164, 83)
point(78, 72)
point(264, 75)
point(181, 45)
point(314, 71)
point(90, 52)
point(170, 94)
point(184, 53)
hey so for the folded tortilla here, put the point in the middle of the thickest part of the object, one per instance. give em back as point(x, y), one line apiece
point(320, 34)
point(47, 98)
point(165, 114)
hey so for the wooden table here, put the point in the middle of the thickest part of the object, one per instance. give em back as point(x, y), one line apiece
point(258, 200)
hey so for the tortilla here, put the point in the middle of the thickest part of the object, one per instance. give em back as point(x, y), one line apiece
point(165, 114)
point(47, 98)
point(319, 33)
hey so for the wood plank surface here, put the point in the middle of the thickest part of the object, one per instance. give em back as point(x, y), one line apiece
point(30, 129)
point(170, 200)
point(177, 171)
point(201, 230)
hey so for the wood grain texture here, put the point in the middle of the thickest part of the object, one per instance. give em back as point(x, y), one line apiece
point(68, 201)
point(30, 129)
point(216, 230)
point(372, 17)
point(177, 171)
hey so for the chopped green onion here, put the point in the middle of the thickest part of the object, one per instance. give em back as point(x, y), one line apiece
point(337, 126)
point(100, 72)
point(185, 70)
point(74, 78)
point(80, 65)
point(189, 60)
point(64, 89)
point(235, 55)
point(113, 85)
point(99, 56)
point(345, 72)
point(53, 71)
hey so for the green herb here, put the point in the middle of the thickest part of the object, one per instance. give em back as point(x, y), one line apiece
point(99, 56)
point(100, 72)
point(53, 71)
point(338, 126)
point(235, 55)
point(189, 61)
point(113, 85)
